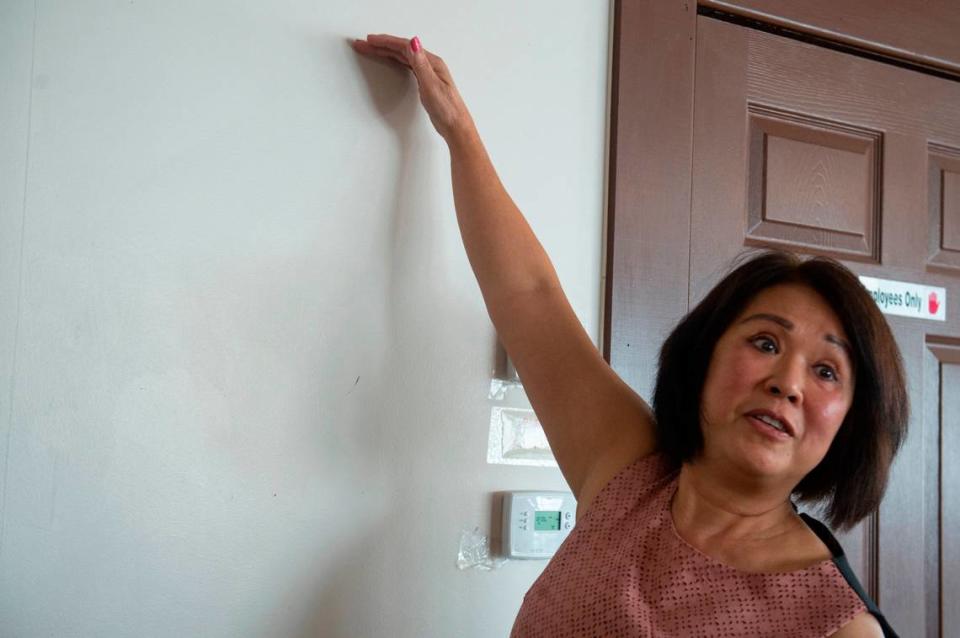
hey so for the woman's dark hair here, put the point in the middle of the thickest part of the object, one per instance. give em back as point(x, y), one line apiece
point(850, 480)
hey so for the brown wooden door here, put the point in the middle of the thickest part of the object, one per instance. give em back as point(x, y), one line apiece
point(812, 150)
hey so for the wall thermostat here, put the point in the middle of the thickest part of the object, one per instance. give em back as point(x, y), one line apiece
point(535, 523)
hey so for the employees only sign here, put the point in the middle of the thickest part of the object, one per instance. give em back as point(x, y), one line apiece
point(907, 300)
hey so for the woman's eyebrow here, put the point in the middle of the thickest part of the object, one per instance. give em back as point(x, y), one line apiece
point(786, 323)
point(841, 343)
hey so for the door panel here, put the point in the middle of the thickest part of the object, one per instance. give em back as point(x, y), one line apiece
point(942, 406)
point(807, 149)
point(929, 39)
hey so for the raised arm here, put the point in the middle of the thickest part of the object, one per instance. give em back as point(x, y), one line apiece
point(594, 422)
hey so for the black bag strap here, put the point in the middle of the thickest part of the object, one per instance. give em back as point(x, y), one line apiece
point(840, 560)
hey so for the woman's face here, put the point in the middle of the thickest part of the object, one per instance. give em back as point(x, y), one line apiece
point(786, 358)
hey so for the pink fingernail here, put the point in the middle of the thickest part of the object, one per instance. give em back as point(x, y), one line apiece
point(415, 44)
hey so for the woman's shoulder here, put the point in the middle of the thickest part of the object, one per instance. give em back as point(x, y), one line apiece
point(616, 473)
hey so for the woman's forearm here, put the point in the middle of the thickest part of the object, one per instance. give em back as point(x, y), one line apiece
point(506, 256)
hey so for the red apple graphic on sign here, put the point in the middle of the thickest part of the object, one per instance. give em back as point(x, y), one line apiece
point(932, 303)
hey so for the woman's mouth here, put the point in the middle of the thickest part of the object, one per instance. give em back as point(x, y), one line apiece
point(769, 426)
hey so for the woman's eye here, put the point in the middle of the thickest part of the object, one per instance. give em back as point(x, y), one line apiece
point(765, 344)
point(828, 373)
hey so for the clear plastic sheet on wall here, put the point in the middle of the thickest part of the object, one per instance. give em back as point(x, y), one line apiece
point(516, 438)
point(474, 552)
point(500, 387)
point(507, 382)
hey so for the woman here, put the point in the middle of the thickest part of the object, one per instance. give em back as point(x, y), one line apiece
point(784, 381)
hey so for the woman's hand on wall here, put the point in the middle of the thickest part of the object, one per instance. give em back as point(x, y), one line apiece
point(438, 93)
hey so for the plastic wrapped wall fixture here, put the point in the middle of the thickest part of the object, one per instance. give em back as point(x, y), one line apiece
point(509, 381)
point(474, 552)
point(516, 438)
point(499, 388)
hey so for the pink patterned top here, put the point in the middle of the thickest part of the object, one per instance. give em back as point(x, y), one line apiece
point(625, 571)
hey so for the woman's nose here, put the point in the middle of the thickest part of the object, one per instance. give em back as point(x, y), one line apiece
point(786, 382)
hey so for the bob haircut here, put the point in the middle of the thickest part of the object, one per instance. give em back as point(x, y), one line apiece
point(850, 480)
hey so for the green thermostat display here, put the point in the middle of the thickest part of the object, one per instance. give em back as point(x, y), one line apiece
point(546, 521)
point(535, 524)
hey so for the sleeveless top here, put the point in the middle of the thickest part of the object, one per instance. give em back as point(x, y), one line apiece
point(625, 571)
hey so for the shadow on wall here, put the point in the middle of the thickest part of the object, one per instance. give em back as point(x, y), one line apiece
point(363, 589)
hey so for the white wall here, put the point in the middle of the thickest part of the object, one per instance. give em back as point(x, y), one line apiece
point(244, 359)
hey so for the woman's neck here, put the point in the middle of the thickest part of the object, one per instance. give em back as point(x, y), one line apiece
point(716, 508)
